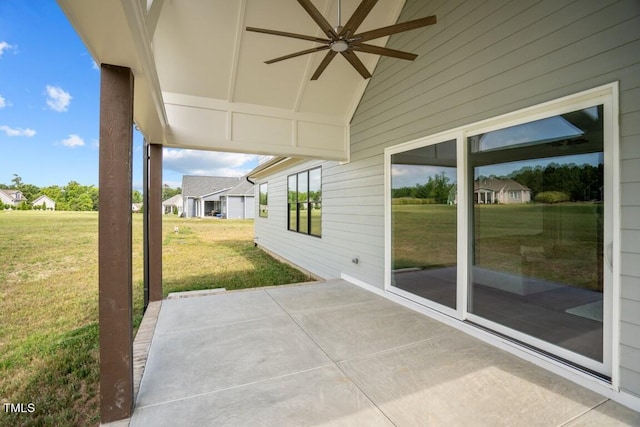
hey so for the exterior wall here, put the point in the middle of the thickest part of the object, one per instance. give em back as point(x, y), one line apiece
point(237, 207)
point(249, 207)
point(5, 199)
point(330, 255)
point(46, 202)
point(480, 61)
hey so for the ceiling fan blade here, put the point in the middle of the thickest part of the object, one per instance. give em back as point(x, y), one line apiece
point(285, 34)
point(384, 51)
point(325, 62)
point(358, 16)
point(318, 18)
point(357, 64)
point(293, 55)
point(393, 29)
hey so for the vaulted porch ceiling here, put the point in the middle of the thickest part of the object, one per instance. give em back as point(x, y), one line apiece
point(201, 81)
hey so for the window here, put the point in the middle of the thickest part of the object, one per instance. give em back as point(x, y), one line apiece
point(423, 212)
point(264, 200)
point(523, 243)
point(537, 268)
point(304, 202)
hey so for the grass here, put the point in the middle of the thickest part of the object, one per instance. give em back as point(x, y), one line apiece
point(424, 236)
point(562, 239)
point(49, 300)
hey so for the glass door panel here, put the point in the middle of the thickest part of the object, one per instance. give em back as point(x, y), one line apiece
point(537, 229)
point(424, 223)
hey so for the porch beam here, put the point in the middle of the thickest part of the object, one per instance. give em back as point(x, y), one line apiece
point(155, 222)
point(115, 244)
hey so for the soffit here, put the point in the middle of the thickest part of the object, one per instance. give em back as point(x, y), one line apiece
point(201, 81)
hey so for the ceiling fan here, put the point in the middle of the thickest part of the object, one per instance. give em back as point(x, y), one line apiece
point(344, 39)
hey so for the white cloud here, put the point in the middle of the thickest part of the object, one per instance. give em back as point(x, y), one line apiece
point(5, 46)
point(73, 141)
point(58, 99)
point(208, 163)
point(3, 102)
point(9, 131)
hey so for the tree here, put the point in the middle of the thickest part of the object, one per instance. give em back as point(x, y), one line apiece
point(136, 197)
point(168, 192)
point(17, 181)
point(81, 203)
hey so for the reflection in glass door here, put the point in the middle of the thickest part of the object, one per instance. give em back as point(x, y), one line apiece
point(537, 230)
point(423, 221)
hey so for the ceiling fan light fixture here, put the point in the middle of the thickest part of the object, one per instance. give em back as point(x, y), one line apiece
point(347, 40)
point(339, 46)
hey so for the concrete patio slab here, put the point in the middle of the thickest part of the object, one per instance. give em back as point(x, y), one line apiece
point(323, 396)
point(351, 331)
point(202, 360)
point(320, 296)
point(458, 380)
point(334, 354)
point(215, 310)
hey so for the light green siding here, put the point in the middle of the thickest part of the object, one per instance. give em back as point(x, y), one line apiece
point(481, 60)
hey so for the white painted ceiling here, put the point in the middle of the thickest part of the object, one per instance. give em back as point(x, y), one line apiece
point(201, 81)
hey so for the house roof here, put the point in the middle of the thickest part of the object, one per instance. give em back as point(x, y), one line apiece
point(15, 195)
point(244, 188)
point(495, 184)
point(198, 186)
point(201, 81)
point(173, 201)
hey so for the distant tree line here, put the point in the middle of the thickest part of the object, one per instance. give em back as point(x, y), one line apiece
point(578, 182)
point(553, 182)
point(435, 190)
point(71, 197)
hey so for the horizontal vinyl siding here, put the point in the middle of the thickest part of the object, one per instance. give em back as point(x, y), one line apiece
point(486, 59)
point(481, 60)
point(630, 223)
point(329, 255)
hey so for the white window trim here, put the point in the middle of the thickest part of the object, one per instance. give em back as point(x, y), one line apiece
point(607, 95)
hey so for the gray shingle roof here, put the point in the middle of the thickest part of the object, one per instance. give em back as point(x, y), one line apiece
point(198, 186)
point(175, 200)
point(244, 188)
point(495, 184)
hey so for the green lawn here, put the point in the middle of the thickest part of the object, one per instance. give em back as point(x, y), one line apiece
point(557, 242)
point(49, 300)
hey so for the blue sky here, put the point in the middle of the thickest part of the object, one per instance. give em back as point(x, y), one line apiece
point(49, 107)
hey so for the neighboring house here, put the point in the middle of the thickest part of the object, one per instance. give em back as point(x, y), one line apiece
point(516, 90)
point(46, 202)
point(11, 197)
point(173, 205)
point(136, 207)
point(505, 191)
point(238, 202)
point(204, 196)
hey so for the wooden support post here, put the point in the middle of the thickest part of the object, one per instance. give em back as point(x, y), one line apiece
point(155, 222)
point(115, 245)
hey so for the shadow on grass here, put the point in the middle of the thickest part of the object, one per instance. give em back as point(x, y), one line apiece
point(261, 270)
point(64, 387)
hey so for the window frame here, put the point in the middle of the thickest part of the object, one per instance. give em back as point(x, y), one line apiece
point(607, 96)
point(260, 204)
point(298, 205)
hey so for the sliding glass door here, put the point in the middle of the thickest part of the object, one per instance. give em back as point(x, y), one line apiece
point(424, 222)
point(508, 224)
point(537, 229)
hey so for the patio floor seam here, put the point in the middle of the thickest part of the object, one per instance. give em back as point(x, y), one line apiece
point(334, 362)
point(236, 386)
